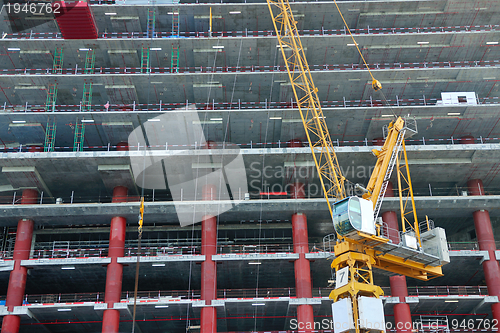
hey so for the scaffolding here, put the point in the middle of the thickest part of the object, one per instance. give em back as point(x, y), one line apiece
point(50, 136)
point(58, 61)
point(145, 60)
point(89, 62)
point(174, 59)
point(79, 136)
point(87, 97)
point(50, 104)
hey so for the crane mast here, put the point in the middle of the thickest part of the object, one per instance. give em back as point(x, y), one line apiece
point(361, 241)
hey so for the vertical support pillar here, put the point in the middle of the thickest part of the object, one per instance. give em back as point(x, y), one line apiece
point(17, 280)
point(114, 272)
point(303, 285)
point(402, 313)
point(486, 240)
point(208, 267)
point(391, 218)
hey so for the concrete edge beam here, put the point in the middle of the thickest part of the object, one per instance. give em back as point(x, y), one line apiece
point(256, 300)
point(471, 253)
point(487, 300)
point(450, 297)
point(129, 209)
point(320, 255)
point(65, 261)
point(219, 302)
point(412, 299)
point(6, 266)
point(246, 151)
point(162, 259)
point(497, 255)
point(255, 256)
point(391, 300)
point(302, 301)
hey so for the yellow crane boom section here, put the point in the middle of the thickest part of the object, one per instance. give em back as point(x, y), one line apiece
point(333, 183)
point(305, 93)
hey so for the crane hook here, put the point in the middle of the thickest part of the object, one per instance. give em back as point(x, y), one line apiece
point(376, 85)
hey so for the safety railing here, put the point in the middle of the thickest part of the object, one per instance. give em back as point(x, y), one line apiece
point(326, 246)
point(251, 145)
point(443, 290)
point(72, 251)
point(244, 293)
point(261, 33)
point(249, 69)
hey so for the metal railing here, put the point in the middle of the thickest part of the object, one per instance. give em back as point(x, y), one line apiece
point(102, 251)
point(260, 33)
point(244, 293)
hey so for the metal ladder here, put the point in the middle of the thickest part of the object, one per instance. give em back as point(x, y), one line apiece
point(150, 33)
point(79, 136)
point(89, 62)
point(388, 173)
point(50, 104)
point(174, 59)
point(50, 137)
point(175, 19)
point(58, 61)
point(145, 60)
point(87, 97)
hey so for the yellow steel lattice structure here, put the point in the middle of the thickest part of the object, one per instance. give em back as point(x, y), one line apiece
point(305, 93)
point(406, 200)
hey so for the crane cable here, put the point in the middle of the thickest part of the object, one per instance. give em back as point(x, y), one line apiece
point(376, 85)
point(139, 229)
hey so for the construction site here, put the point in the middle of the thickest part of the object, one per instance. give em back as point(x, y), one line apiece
point(249, 166)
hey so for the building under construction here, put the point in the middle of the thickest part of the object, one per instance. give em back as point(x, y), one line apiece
point(189, 105)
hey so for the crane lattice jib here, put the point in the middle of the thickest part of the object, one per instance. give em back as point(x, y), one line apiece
point(305, 93)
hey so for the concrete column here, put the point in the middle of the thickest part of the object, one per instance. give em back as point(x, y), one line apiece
point(208, 267)
point(17, 280)
point(486, 240)
point(402, 313)
point(302, 267)
point(114, 273)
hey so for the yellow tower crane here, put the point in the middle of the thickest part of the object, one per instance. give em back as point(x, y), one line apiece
point(362, 239)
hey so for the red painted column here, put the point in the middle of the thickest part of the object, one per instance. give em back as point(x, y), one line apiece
point(114, 273)
point(303, 285)
point(208, 320)
point(402, 313)
point(484, 234)
point(17, 280)
point(391, 218)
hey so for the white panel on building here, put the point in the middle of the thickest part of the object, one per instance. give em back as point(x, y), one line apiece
point(458, 98)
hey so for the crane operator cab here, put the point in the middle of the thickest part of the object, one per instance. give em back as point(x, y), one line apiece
point(351, 215)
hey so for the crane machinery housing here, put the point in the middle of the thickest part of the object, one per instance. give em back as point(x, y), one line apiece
point(362, 237)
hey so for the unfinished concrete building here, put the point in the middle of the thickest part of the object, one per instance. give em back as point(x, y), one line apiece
point(92, 92)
